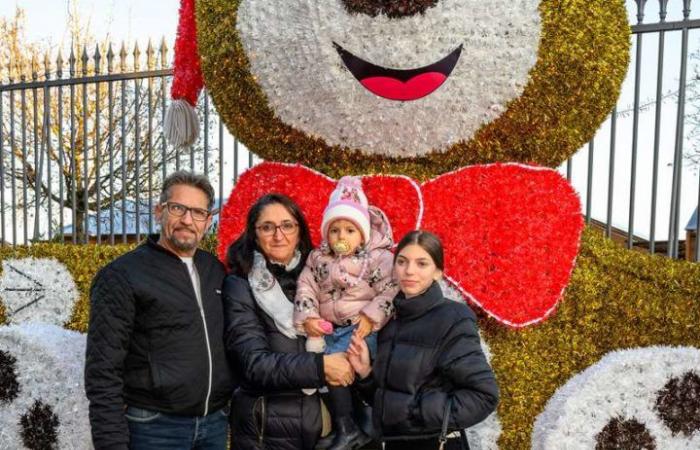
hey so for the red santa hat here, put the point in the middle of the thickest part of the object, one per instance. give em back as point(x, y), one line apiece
point(181, 126)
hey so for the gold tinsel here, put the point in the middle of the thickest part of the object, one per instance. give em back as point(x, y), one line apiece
point(583, 58)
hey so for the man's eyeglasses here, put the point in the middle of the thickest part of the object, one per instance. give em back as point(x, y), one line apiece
point(179, 210)
point(269, 228)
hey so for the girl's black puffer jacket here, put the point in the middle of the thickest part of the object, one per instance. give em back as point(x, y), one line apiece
point(431, 352)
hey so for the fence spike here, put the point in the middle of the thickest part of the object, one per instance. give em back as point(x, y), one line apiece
point(163, 53)
point(35, 68)
point(150, 56)
point(641, 4)
point(85, 58)
point(97, 58)
point(663, 10)
point(686, 9)
point(21, 70)
point(71, 62)
point(47, 66)
point(59, 65)
point(137, 56)
point(122, 58)
point(110, 59)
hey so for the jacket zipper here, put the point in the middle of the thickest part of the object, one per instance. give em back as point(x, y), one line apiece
point(206, 335)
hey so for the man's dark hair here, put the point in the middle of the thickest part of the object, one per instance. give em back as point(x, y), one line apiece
point(183, 177)
point(240, 254)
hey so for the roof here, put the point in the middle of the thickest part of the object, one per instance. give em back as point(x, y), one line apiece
point(125, 223)
point(693, 222)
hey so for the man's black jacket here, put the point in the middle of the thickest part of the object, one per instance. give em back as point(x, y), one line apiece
point(149, 345)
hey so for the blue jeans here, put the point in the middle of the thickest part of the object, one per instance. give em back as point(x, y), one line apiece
point(152, 430)
point(339, 341)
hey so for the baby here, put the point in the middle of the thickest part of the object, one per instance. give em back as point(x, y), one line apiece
point(346, 288)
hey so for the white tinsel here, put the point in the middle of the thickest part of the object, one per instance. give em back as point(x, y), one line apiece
point(37, 290)
point(623, 384)
point(290, 48)
point(49, 368)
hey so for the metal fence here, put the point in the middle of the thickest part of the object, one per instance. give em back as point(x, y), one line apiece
point(654, 124)
point(78, 138)
point(82, 151)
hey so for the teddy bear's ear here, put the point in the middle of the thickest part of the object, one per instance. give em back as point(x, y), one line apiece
point(37, 290)
point(638, 398)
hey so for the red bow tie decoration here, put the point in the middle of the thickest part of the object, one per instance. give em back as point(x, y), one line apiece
point(510, 231)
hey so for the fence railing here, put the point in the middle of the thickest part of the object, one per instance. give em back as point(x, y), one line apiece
point(642, 202)
point(82, 149)
point(78, 137)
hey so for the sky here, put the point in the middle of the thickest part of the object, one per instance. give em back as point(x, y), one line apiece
point(120, 19)
point(140, 20)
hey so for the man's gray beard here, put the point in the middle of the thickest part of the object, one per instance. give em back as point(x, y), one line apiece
point(183, 246)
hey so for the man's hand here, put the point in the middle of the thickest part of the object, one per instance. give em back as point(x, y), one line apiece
point(337, 370)
point(364, 327)
point(313, 327)
point(358, 356)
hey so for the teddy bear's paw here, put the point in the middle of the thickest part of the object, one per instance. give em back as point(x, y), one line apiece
point(42, 398)
point(645, 398)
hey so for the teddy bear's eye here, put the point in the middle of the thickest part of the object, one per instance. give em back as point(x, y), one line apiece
point(391, 8)
point(9, 386)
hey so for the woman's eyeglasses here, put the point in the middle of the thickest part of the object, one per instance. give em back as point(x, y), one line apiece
point(269, 228)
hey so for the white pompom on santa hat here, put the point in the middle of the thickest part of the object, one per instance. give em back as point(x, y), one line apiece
point(181, 125)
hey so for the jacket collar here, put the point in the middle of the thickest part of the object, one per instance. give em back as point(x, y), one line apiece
point(418, 305)
point(152, 242)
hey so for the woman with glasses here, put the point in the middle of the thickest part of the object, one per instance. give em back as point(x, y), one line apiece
point(277, 405)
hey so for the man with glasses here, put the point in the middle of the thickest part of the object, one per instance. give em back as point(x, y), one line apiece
point(156, 373)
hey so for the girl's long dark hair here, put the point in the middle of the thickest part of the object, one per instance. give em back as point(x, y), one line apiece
point(428, 242)
point(240, 253)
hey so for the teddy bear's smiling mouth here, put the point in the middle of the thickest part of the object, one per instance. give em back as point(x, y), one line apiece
point(397, 84)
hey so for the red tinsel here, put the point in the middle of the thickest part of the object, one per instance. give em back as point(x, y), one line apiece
point(511, 232)
point(187, 77)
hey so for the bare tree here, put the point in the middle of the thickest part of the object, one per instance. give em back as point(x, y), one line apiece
point(82, 144)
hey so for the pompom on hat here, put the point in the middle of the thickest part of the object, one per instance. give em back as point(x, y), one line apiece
point(349, 202)
point(181, 125)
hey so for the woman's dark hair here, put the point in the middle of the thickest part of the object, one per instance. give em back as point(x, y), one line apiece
point(240, 253)
point(428, 242)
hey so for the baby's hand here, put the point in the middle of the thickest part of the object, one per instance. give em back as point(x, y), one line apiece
point(314, 327)
point(364, 327)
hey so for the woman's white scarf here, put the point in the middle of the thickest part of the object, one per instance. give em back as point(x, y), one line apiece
point(269, 295)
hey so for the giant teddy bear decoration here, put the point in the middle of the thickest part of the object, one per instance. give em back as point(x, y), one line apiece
point(455, 112)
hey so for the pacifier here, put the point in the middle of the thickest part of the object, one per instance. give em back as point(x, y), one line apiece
point(341, 247)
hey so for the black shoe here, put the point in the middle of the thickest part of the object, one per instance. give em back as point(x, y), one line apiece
point(325, 442)
point(348, 436)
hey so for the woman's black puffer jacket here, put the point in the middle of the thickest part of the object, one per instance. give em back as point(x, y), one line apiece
point(269, 411)
point(430, 352)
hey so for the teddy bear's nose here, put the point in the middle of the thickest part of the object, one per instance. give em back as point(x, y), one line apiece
point(391, 8)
